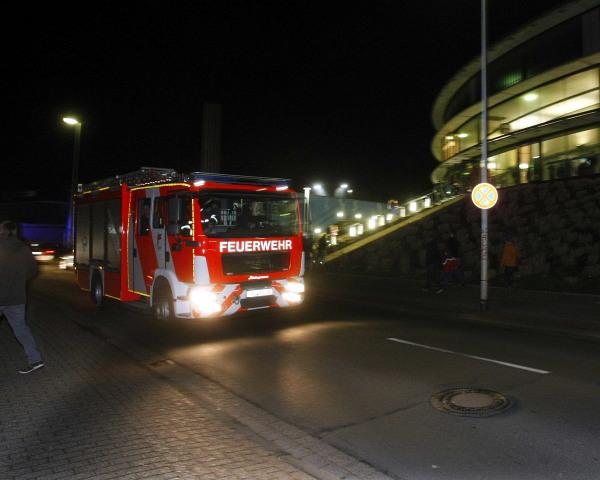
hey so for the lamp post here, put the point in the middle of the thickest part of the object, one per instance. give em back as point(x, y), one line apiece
point(306, 219)
point(76, 124)
point(484, 157)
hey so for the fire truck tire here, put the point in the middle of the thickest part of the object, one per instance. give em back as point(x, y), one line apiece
point(97, 290)
point(163, 307)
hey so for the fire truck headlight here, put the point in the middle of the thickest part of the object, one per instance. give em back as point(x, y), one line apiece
point(204, 301)
point(295, 287)
point(292, 297)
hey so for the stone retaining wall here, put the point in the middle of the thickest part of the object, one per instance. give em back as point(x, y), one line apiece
point(556, 226)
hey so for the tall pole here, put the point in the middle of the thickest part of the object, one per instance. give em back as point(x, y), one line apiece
point(76, 150)
point(306, 219)
point(74, 181)
point(484, 157)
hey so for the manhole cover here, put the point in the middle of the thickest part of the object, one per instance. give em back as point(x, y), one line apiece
point(470, 402)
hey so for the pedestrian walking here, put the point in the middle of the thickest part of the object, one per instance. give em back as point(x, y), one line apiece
point(508, 260)
point(450, 271)
point(17, 266)
point(321, 249)
point(453, 254)
point(433, 265)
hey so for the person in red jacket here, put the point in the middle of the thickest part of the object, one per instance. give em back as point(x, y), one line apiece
point(17, 266)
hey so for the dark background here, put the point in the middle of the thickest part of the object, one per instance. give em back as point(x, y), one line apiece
point(310, 90)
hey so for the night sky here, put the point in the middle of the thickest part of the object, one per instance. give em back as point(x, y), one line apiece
point(310, 90)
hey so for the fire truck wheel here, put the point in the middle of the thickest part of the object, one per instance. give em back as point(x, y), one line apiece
point(162, 304)
point(97, 290)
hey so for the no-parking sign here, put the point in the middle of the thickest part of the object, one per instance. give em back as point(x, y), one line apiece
point(484, 196)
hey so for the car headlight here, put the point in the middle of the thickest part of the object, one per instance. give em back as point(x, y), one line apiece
point(294, 286)
point(292, 297)
point(204, 300)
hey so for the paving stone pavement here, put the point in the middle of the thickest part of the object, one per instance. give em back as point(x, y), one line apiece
point(106, 409)
point(93, 413)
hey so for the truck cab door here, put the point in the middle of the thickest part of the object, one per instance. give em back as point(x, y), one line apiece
point(159, 233)
point(142, 255)
point(180, 236)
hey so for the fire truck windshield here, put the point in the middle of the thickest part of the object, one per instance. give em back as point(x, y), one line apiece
point(247, 214)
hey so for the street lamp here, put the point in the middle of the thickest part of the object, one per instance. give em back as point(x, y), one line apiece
point(318, 189)
point(76, 124)
point(339, 191)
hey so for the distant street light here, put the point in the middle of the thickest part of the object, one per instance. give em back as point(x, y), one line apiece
point(341, 190)
point(318, 189)
point(76, 124)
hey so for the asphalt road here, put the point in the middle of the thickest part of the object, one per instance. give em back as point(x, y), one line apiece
point(362, 381)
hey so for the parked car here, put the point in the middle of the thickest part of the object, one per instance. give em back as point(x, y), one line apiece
point(66, 262)
point(44, 252)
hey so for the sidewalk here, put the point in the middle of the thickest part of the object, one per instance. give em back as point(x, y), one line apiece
point(565, 314)
point(102, 409)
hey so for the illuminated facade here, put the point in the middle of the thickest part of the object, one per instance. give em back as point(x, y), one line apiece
point(544, 112)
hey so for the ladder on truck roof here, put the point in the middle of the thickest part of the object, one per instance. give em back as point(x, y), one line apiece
point(143, 176)
point(155, 175)
point(237, 179)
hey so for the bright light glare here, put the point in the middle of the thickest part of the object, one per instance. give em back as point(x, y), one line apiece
point(340, 214)
point(292, 297)
point(462, 135)
point(199, 183)
point(530, 97)
point(344, 186)
point(412, 207)
point(296, 287)
point(204, 300)
point(70, 120)
point(389, 217)
point(318, 230)
point(358, 215)
point(350, 191)
point(280, 189)
point(523, 166)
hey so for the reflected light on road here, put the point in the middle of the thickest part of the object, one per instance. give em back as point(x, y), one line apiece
point(303, 332)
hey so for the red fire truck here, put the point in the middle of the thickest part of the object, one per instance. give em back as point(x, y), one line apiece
point(192, 245)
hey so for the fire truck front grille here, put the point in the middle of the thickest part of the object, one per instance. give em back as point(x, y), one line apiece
point(250, 263)
point(258, 302)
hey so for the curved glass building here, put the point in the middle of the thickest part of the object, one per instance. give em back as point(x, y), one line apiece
point(544, 112)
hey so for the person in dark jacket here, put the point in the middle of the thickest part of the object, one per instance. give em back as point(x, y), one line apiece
point(17, 266)
point(454, 265)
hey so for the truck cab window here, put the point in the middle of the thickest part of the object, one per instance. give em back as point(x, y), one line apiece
point(179, 215)
point(143, 212)
point(158, 215)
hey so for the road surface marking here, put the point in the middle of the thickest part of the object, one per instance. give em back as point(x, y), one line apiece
point(506, 364)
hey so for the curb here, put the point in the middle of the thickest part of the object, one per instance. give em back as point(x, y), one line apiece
point(473, 318)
